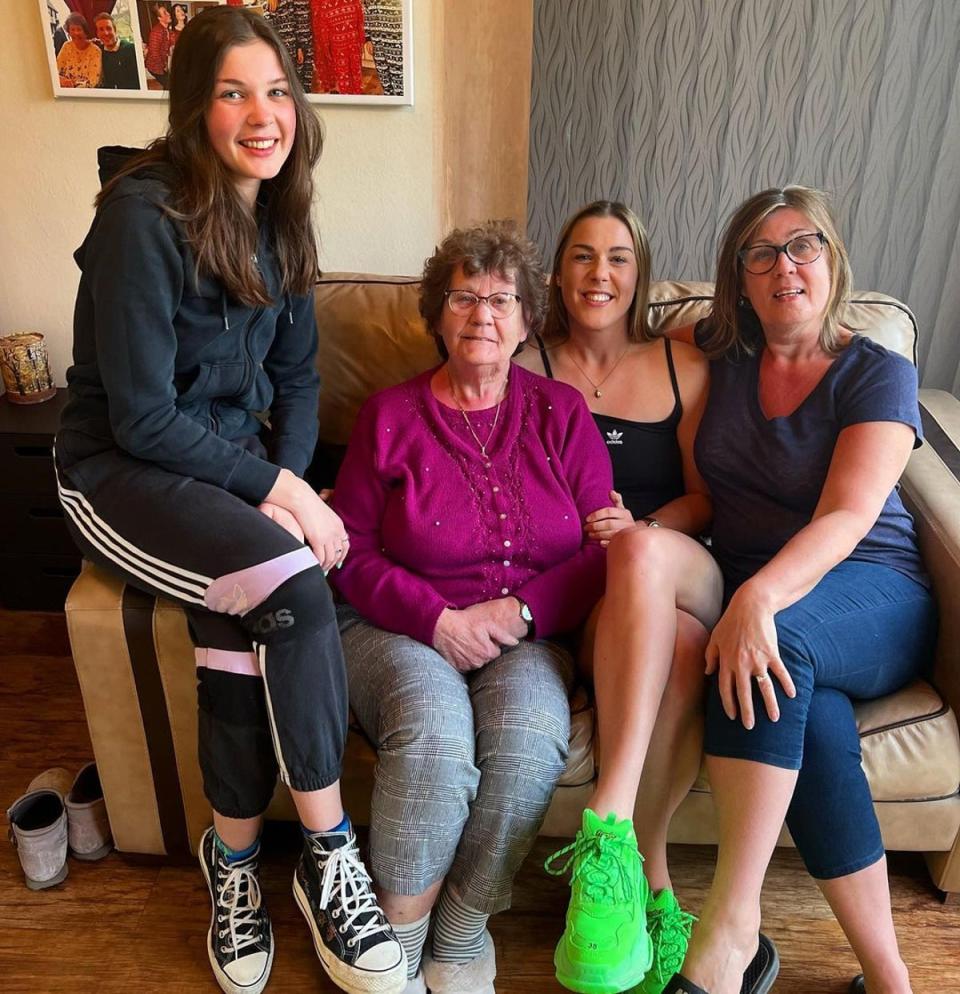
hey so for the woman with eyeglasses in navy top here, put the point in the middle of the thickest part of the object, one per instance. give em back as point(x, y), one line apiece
point(806, 432)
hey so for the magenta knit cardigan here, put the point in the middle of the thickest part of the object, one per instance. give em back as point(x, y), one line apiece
point(433, 524)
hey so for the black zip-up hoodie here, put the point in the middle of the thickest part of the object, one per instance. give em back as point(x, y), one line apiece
point(168, 369)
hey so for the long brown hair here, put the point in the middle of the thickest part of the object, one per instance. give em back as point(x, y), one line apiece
point(220, 228)
point(724, 331)
point(557, 325)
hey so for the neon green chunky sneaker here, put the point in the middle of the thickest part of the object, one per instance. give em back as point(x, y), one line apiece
point(605, 947)
point(669, 929)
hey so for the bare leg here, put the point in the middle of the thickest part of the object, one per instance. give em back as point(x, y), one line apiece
point(673, 757)
point(401, 908)
point(861, 902)
point(237, 833)
point(752, 800)
point(651, 573)
point(319, 810)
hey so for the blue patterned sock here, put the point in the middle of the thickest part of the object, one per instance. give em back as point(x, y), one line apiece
point(236, 855)
point(344, 826)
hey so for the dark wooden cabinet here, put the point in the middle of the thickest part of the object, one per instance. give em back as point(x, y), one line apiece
point(38, 561)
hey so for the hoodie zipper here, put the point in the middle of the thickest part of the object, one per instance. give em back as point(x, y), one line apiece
point(251, 366)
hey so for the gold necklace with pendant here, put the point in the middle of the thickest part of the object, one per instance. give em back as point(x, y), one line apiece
point(597, 392)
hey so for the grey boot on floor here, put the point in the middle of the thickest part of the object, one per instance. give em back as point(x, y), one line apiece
point(38, 831)
point(89, 830)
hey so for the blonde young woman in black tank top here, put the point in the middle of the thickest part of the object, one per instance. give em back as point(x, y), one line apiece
point(649, 633)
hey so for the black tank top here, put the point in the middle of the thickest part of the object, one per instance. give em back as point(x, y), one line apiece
point(647, 465)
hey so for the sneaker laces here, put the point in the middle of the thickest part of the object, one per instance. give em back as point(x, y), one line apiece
point(345, 876)
point(239, 896)
point(670, 933)
point(598, 865)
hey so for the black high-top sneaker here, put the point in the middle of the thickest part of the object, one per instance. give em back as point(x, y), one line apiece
point(352, 936)
point(240, 940)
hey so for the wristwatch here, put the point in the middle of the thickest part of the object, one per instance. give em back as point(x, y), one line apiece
point(526, 614)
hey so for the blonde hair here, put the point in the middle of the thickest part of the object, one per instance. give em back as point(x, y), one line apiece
point(557, 325)
point(723, 329)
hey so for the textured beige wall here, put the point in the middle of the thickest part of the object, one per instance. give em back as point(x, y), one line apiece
point(378, 208)
point(484, 103)
point(391, 181)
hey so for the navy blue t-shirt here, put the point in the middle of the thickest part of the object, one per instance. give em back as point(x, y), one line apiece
point(766, 474)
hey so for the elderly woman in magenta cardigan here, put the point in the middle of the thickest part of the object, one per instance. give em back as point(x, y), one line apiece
point(464, 492)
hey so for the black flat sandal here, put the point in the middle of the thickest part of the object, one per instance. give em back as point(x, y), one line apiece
point(758, 977)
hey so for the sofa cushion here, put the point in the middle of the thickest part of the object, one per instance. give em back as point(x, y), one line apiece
point(887, 321)
point(371, 336)
point(908, 742)
point(898, 736)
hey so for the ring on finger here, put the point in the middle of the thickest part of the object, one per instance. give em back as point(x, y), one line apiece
point(762, 678)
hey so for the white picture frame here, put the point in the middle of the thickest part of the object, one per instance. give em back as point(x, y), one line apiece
point(363, 47)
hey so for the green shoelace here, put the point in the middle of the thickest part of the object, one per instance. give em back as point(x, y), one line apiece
point(598, 867)
point(670, 934)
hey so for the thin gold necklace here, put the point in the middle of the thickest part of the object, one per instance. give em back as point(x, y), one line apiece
point(596, 386)
point(496, 418)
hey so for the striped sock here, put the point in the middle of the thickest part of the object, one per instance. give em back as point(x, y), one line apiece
point(412, 936)
point(458, 930)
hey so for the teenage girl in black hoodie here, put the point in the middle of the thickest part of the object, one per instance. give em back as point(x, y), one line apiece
point(194, 316)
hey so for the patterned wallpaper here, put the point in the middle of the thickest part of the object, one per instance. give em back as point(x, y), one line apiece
point(683, 109)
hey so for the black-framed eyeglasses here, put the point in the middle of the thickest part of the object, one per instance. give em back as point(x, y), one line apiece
point(801, 249)
point(501, 305)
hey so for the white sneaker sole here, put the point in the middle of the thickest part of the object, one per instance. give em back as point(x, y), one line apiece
point(351, 979)
point(227, 985)
point(224, 982)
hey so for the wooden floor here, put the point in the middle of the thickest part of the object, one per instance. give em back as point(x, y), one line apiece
point(130, 925)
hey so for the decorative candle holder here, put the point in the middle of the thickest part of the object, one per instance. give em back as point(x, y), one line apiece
point(25, 368)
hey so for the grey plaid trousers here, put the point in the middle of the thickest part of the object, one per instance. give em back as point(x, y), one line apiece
point(466, 764)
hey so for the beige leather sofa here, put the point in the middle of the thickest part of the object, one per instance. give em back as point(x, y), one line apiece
point(136, 667)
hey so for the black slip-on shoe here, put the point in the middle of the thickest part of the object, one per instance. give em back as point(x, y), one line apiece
point(758, 977)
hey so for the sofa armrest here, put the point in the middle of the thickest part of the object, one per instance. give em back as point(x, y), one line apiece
point(930, 487)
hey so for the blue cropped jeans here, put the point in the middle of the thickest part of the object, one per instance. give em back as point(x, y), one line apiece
point(864, 631)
